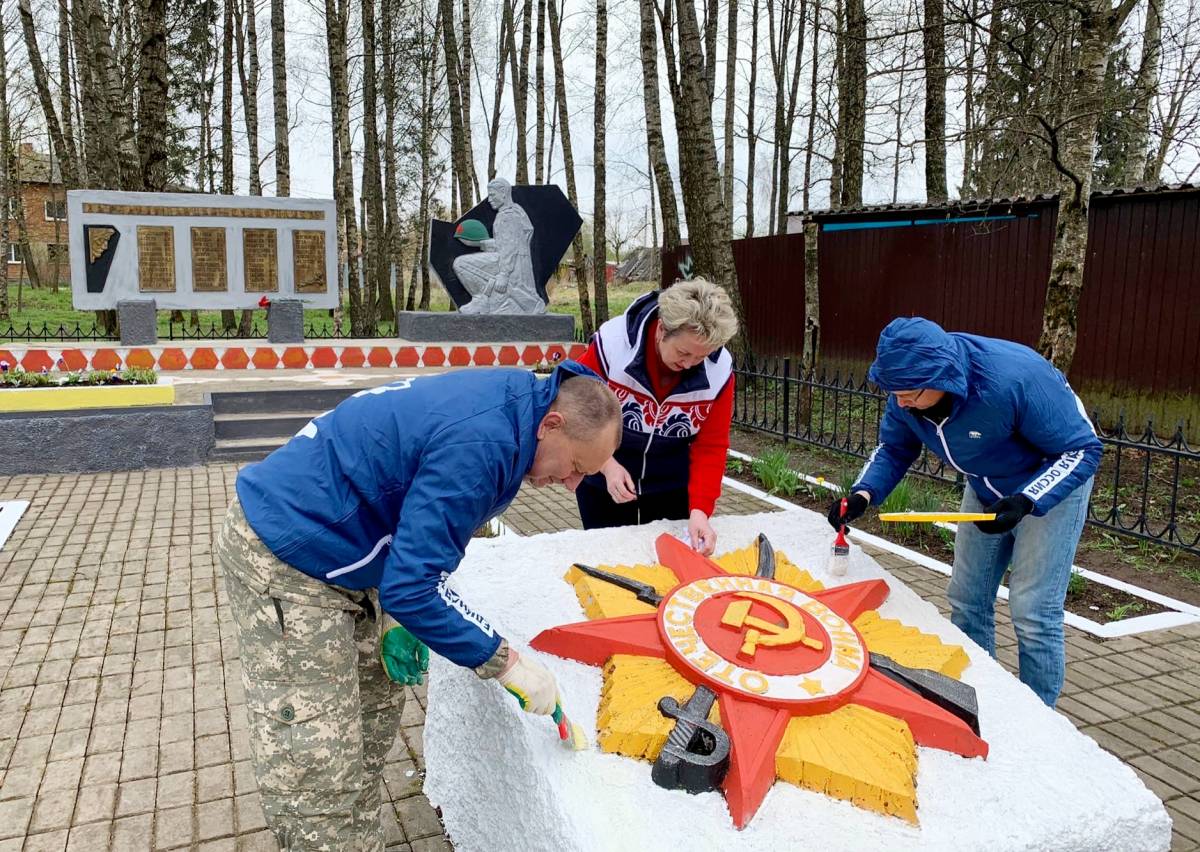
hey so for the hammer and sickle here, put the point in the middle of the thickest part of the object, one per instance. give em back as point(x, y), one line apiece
point(766, 633)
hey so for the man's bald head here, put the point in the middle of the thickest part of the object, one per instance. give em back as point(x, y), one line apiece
point(578, 435)
point(590, 408)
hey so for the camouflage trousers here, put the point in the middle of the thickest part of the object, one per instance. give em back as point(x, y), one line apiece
point(323, 714)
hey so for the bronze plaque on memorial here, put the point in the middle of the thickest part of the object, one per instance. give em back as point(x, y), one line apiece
point(308, 261)
point(208, 260)
point(156, 258)
point(260, 260)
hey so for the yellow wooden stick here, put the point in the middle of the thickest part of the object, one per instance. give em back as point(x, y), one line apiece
point(934, 517)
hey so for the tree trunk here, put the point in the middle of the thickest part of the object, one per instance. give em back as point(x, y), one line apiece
point(539, 88)
point(789, 123)
point(429, 87)
point(520, 82)
point(731, 40)
point(855, 114)
point(710, 48)
point(41, 82)
point(703, 203)
point(247, 53)
point(227, 101)
point(233, 55)
point(812, 106)
point(560, 98)
point(5, 187)
point(777, 46)
point(64, 85)
point(391, 228)
point(983, 180)
point(1138, 170)
point(1073, 152)
point(503, 52)
point(898, 130)
point(153, 82)
point(337, 15)
point(969, 133)
point(464, 76)
point(458, 145)
point(811, 351)
point(934, 43)
point(378, 289)
point(283, 156)
point(117, 149)
point(839, 130)
point(751, 130)
point(654, 132)
point(599, 236)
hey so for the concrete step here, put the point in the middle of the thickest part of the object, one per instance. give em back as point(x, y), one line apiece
point(245, 449)
point(266, 424)
point(268, 401)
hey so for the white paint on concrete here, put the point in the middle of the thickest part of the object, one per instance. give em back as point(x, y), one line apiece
point(503, 782)
point(10, 514)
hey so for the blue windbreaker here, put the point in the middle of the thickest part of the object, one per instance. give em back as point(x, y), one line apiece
point(386, 490)
point(1015, 425)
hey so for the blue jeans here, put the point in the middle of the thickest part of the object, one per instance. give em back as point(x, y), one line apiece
point(1040, 551)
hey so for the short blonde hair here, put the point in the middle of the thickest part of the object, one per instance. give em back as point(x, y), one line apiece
point(701, 307)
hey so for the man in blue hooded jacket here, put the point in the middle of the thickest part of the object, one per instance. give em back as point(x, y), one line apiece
point(1005, 418)
point(360, 518)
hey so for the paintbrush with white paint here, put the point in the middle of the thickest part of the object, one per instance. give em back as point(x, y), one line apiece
point(839, 554)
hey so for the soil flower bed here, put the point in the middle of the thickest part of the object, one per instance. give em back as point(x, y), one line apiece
point(19, 378)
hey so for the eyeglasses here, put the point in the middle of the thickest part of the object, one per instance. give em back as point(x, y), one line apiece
point(908, 395)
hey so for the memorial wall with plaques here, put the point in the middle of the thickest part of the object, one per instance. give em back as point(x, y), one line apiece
point(200, 251)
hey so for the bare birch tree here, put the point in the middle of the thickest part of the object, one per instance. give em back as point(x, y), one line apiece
point(654, 133)
point(751, 129)
point(934, 44)
point(560, 98)
point(599, 198)
point(279, 97)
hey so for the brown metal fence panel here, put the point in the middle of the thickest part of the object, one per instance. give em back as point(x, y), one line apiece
point(987, 277)
point(1139, 314)
point(985, 272)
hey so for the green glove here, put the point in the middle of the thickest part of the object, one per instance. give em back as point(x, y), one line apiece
point(405, 657)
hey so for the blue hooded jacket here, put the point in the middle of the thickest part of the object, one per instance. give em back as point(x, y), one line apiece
point(386, 490)
point(1015, 425)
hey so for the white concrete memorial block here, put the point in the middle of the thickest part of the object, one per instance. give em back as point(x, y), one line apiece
point(504, 782)
point(200, 251)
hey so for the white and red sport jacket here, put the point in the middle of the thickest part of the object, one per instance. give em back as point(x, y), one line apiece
point(674, 436)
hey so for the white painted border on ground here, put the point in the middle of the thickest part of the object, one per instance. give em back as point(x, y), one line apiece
point(10, 514)
point(1184, 613)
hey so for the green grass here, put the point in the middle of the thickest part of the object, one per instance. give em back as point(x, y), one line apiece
point(774, 471)
point(1076, 584)
point(1124, 610)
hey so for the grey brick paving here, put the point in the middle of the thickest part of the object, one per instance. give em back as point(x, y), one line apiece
point(120, 691)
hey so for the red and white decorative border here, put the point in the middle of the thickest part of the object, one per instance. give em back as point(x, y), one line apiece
point(202, 355)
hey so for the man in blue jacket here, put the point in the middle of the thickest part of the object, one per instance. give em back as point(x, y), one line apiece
point(363, 516)
point(1005, 418)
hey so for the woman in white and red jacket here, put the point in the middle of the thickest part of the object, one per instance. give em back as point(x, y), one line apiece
point(665, 360)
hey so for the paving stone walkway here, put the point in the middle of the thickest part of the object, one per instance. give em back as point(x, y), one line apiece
point(122, 720)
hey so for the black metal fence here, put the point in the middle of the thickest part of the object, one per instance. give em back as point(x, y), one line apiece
point(206, 330)
point(1147, 486)
point(51, 332)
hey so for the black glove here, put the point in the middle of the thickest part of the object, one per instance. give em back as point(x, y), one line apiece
point(856, 504)
point(1008, 511)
